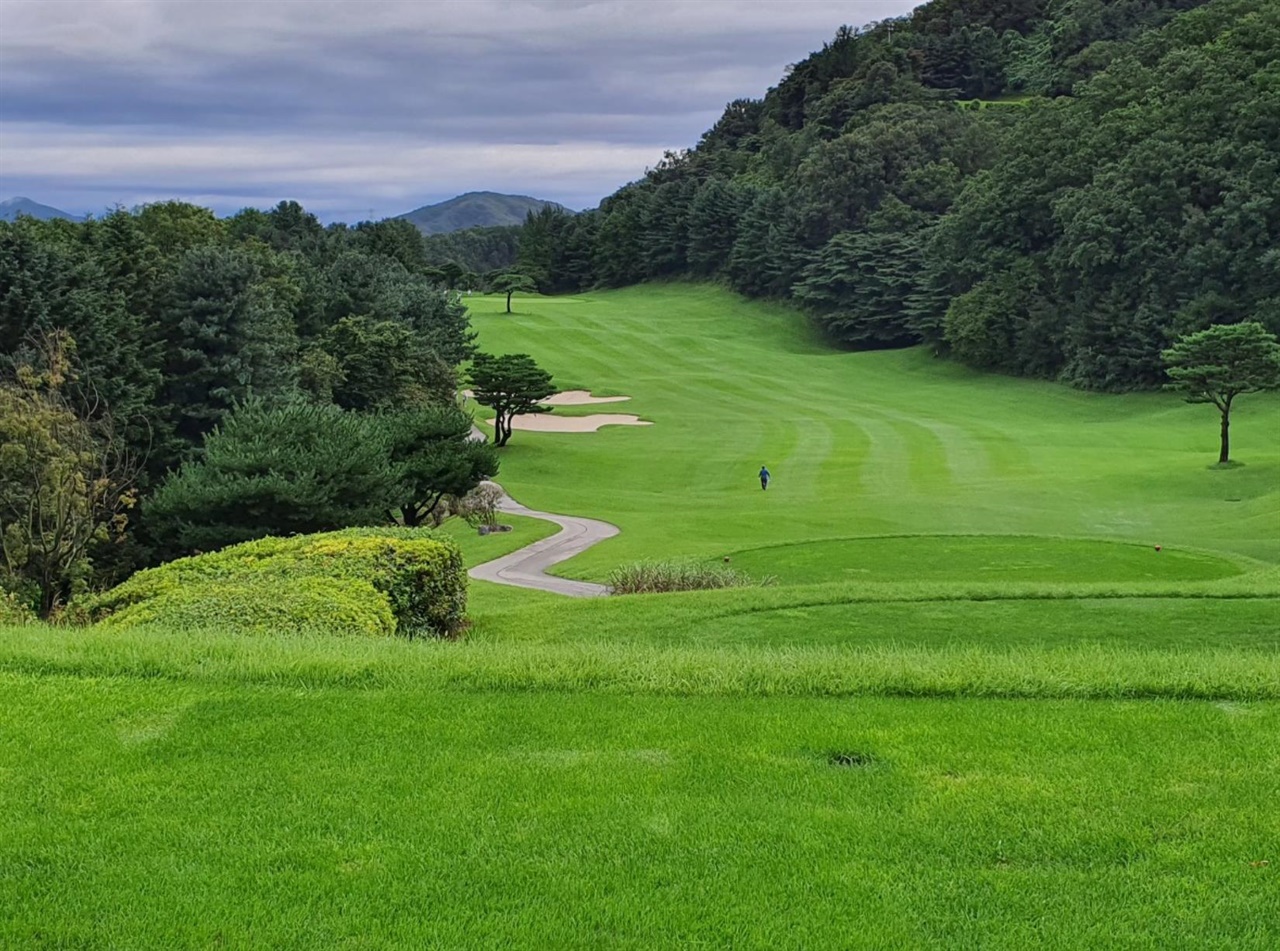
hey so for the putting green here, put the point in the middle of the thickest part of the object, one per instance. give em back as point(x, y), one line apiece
point(977, 558)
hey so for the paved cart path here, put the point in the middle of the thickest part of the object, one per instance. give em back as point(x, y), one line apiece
point(527, 567)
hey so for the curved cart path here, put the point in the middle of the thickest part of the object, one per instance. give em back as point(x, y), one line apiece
point(527, 568)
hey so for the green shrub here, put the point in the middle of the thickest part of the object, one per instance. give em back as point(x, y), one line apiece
point(13, 610)
point(265, 606)
point(652, 577)
point(329, 581)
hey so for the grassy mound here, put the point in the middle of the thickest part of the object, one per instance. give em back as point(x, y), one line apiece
point(993, 558)
point(365, 581)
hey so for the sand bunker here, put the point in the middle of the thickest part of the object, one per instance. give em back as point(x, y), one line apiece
point(548, 423)
point(581, 398)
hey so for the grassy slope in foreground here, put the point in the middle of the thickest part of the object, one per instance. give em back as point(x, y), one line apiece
point(656, 772)
point(859, 443)
point(154, 813)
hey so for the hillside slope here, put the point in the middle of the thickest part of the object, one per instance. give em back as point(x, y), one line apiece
point(11, 208)
point(1049, 190)
point(476, 210)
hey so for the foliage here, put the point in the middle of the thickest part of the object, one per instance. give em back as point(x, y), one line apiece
point(66, 482)
point(1071, 231)
point(435, 456)
point(232, 338)
point(510, 282)
point(418, 577)
point(266, 606)
point(474, 250)
point(653, 577)
point(179, 317)
point(479, 507)
point(303, 468)
point(510, 385)
point(1221, 362)
point(14, 610)
point(294, 469)
point(378, 364)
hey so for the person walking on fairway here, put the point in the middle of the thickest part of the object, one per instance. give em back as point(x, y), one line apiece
point(764, 478)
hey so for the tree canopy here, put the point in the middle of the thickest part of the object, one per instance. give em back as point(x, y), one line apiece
point(1220, 363)
point(1045, 189)
point(177, 320)
point(510, 282)
point(510, 385)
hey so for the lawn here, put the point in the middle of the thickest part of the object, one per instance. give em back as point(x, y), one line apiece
point(186, 814)
point(976, 707)
point(859, 444)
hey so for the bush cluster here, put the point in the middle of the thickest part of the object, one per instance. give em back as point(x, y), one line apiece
point(13, 610)
point(374, 581)
point(653, 577)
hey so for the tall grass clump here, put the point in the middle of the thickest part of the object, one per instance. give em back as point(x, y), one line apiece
point(657, 577)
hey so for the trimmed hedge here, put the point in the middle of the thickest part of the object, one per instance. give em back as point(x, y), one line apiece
point(375, 581)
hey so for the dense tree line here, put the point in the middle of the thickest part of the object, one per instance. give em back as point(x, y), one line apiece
point(1054, 188)
point(474, 250)
point(140, 335)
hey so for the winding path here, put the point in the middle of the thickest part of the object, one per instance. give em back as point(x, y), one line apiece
point(527, 567)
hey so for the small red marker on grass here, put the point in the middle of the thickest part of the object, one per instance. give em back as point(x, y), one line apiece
point(1157, 548)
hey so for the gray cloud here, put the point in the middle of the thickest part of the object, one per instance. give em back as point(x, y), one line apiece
point(376, 105)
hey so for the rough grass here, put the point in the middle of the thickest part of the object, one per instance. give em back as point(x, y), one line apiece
point(1066, 667)
point(661, 577)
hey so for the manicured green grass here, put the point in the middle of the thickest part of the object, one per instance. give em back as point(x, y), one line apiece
point(885, 443)
point(977, 557)
point(978, 710)
point(146, 813)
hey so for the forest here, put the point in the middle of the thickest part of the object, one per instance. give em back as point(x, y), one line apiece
point(174, 381)
point(1048, 188)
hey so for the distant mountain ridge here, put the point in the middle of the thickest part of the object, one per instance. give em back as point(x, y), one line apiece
point(11, 208)
point(475, 210)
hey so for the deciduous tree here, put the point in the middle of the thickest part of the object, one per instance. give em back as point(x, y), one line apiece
point(66, 479)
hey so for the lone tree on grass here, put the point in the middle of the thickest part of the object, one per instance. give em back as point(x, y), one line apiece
point(509, 385)
point(511, 282)
point(1218, 364)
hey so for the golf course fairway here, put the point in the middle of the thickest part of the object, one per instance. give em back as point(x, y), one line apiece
point(1007, 676)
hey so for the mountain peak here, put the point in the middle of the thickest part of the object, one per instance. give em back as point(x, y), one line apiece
point(11, 208)
point(475, 210)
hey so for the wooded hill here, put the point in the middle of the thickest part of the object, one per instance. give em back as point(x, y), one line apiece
point(476, 210)
point(1053, 188)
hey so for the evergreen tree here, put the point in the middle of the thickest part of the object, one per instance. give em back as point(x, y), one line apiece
point(713, 225)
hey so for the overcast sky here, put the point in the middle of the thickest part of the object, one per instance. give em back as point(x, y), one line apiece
point(369, 108)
